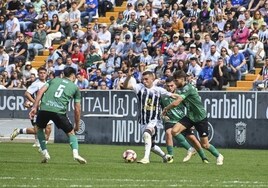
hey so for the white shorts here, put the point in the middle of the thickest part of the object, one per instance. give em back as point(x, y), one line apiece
point(151, 125)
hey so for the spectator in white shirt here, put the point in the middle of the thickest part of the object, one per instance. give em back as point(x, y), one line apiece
point(104, 37)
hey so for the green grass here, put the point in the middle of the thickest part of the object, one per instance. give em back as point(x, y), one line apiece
point(20, 167)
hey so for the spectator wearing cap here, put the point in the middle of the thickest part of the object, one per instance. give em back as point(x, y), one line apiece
point(126, 32)
point(213, 55)
point(38, 40)
point(263, 37)
point(221, 42)
point(63, 17)
point(192, 52)
point(138, 45)
point(255, 50)
point(104, 38)
point(28, 23)
point(154, 23)
point(205, 79)
point(207, 44)
point(194, 10)
point(74, 15)
point(54, 31)
point(52, 10)
point(128, 11)
point(174, 45)
point(237, 64)
point(187, 41)
point(241, 34)
point(12, 26)
point(170, 31)
point(27, 70)
point(22, 12)
point(230, 20)
point(241, 13)
point(39, 6)
point(132, 22)
point(91, 9)
point(194, 68)
point(13, 6)
point(142, 23)
point(257, 17)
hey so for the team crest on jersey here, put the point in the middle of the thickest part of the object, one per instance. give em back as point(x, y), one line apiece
point(81, 128)
point(240, 132)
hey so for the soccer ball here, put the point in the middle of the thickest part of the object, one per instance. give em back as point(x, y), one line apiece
point(129, 156)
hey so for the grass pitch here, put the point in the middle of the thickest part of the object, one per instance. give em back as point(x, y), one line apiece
point(20, 167)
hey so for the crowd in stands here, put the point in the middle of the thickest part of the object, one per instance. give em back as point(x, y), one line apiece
point(213, 41)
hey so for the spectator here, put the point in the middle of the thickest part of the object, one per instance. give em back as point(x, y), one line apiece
point(194, 68)
point(119, 80)
point(70, 63)
point(221, 42)
point(213, 55)
point(92, 57)
point(28, 23)
point(27, 70)
point(81, 82)
point(76, 32)
point(4, 60)
point(74, 15)
point(20, 51)
point(205, 79)
point(59, 66)
point(132, 22)
point(38, 41)
point(12, 26)
point(241, 34)
point(91, 9)
point(237, 64)
point(138, 46)
point(54, 31)
point(220, 74)
point(104, 38)
point(257, 17)
point(264, 74)
point(206, 45)
point(52, 10)
point(16, 81)
point(77, 56)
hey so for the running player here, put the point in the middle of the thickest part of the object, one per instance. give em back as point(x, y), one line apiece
point(30, 95)
point(196, 113)
point(55, 97)
point(149, 98)
point(172, 117)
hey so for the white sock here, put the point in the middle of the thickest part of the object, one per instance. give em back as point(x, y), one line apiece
point(75, 152)
point(148, 144)
point(44, 151)
point(158, 151)
point(24, 131)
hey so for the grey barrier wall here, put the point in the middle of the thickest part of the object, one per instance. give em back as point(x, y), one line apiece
point(237, 119)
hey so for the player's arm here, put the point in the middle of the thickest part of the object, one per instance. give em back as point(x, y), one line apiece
point(77, 114)
point(126, 84)
point(172, 105)
point(37, 100)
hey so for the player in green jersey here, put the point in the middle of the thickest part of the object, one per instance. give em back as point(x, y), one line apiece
point(172, 117)
point(55, 97)
point(196, 113)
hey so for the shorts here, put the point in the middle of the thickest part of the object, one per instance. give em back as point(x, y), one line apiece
point(33, 121)
point(186, 132)
point(60, 120)
point(200, 126)
point(151, 125)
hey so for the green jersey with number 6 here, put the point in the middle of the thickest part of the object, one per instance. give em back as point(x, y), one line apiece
point(58, 95)
point(175, 114)
point(191, 99)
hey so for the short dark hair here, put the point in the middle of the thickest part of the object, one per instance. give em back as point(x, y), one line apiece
point(169, 79)
point(68, 71)
point(179, 74)
point(42, 69)
point(147, 73)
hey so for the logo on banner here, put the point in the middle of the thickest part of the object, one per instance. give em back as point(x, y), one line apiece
point(81, 131)
point(240, 132)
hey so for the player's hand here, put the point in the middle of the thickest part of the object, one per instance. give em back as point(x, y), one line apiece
point(32, 113)
point(76, 127)
point(164, 113)
point(165, 118)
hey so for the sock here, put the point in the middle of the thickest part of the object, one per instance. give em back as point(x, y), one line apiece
point(73, 142)
point(42, 139)
point(24, 131)
point(170, 150)
point(181, 139)
point(148, 144)
point(201, 153)
point(158, 151)
point(213, 150)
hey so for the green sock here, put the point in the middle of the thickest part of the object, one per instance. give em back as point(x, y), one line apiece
point(170, 150)
point(213, 150)
point(42, 139)
point(181, 139)
point(73, 142)
point(201, 153)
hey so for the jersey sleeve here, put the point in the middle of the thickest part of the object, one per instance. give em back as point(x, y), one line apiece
point(33, 88)
point(77, 96)
point(137, 87)
point(164, 92)
point(185, 91)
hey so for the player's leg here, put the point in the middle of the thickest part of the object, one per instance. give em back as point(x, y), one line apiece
point(195, 142)
point(48, 130)
point(147, 134)
point(63, 122)
point(202, 128)
point(169, 138)
point(41, 121)
point(18, 131)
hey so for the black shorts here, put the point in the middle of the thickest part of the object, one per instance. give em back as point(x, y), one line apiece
point(60, 120)
point(201, 126)
point(186, 132)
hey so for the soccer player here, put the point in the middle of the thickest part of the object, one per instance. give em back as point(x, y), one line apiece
point(196, 113)
point(171, 118)
point(149, 98)
point(55, 96)
point(30, 96)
